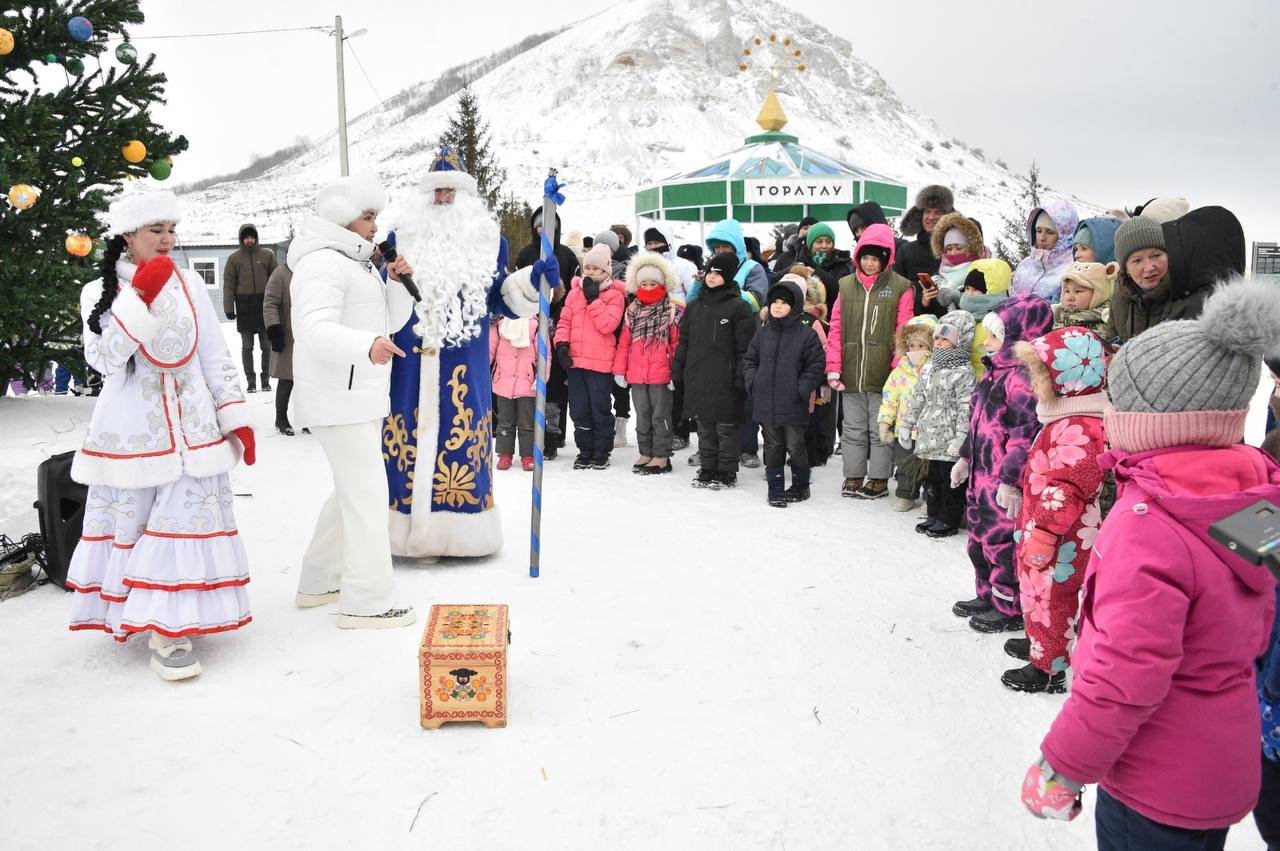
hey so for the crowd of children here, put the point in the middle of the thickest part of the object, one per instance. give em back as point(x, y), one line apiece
point(1004, 398)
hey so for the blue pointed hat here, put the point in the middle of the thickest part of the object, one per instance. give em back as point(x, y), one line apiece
point(448, 171)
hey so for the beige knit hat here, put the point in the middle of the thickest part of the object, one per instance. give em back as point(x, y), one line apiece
point(1101, 279)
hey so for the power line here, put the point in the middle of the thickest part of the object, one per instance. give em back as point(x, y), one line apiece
point(381, 102)
point(328, 30)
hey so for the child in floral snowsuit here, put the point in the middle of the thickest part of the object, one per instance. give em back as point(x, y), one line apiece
point(1060, 512)
point(913, 344)
point(1002, 424)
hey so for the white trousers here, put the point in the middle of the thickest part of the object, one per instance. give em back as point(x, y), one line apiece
point(351, 547)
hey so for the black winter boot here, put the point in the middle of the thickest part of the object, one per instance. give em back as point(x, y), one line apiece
point(1019, 648)
point(992, 621)
point(776, 478)
point(1031, 679)
point(799, 490)
point(969, 608)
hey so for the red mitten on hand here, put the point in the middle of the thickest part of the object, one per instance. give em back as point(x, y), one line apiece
point(245, 434)
point(151, 277)
point(1040, 550)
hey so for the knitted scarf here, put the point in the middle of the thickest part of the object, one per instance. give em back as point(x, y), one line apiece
point(981, 305)
point(650, 322)
point(950, 358)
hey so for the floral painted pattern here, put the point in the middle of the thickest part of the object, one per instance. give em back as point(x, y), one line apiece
point(1079, 365)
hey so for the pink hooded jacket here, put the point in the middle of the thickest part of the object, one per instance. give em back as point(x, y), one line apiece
point(1163, 710)
point(588, 328)
point(646, 361)
point(881, 236)
point(513, 369)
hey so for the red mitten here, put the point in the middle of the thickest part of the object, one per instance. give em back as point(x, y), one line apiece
point(1040, 549)
point(1048, 794)
point(151, 277)
point(245, 434)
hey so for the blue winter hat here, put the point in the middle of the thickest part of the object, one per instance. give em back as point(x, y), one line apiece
point(448, 171)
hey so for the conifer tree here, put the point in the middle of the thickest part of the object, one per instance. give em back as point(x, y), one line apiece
point(68, 108)
point(1012, 245)
point(468, 133)
point(513, 221)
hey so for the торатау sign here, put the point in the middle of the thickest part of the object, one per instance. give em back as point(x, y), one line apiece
point(798, 191)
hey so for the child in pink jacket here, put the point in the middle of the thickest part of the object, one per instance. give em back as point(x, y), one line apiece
point(1163, 712)
point(650, 333)
point(514, 355)
point(585, 345)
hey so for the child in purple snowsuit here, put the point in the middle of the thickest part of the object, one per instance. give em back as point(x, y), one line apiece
point(1002, 425)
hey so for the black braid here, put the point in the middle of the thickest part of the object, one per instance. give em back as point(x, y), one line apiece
point(110, 282)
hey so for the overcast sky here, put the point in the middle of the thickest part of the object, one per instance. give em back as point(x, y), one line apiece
point(1117, 101)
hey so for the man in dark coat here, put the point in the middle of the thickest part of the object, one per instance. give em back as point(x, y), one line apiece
point(783, 367)
point(715, 331)
point(916, 257)
point(244, 282)
point(795, 250)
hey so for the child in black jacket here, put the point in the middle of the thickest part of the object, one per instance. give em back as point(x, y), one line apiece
point(715, 331)
point(783, 367)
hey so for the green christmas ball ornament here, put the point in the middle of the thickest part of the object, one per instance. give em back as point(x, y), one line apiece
point(75, 66)
point(51, 58)
point(161, 170)
point(126, 53)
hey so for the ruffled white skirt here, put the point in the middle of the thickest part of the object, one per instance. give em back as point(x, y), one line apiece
point(167, 560)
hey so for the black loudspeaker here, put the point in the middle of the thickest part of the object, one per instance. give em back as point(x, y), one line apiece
point(60, 504)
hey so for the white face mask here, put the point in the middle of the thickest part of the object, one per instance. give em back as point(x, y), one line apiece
point(917, 358)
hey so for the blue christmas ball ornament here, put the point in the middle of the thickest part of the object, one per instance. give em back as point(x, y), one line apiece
point(80, 28)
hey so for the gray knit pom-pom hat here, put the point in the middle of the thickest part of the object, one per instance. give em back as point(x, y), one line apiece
point(1208, 364)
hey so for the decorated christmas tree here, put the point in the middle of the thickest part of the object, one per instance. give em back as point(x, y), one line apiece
point(75, 125)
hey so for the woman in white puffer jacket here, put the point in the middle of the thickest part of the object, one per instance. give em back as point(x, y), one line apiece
point(159, 552)
point(343, 317)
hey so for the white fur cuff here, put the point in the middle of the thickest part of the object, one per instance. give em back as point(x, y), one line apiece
point(134, 316)
point(233, 416)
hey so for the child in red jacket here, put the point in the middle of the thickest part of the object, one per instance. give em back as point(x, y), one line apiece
point(1060, 512)
point(650, 333)
point(585, 345)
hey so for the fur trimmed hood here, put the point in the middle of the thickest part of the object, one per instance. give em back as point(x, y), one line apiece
point(972, 236)
point(651, 260)
point(918, 328)
point(934, 195)
point(1067, 363)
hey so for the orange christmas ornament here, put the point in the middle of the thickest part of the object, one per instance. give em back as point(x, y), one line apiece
point(23, 196)
point(79, 244)
point(134, 151)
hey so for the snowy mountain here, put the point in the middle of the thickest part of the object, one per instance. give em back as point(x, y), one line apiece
point(634, 94)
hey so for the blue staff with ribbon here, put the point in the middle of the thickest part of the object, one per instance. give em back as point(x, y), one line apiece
point(543, 271)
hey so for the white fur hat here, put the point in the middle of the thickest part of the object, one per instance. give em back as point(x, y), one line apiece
point(344, 200)
point(135, 210)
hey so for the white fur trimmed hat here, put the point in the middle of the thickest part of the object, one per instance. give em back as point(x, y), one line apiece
point(448, 171)
point(135, 210)
point(344, 200)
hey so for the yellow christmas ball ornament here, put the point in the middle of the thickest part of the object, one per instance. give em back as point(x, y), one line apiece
point(6, 42)
point(23, 196)
point(77, 162)
point(134, 151)
point(79, 244)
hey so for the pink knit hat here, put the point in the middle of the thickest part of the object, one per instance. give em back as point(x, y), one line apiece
point(599, 257)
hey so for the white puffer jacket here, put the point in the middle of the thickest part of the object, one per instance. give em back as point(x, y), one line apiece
point(340, 306)
point(171, 393)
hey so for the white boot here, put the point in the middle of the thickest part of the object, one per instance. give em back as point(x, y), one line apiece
point(173, 658)
point(619, 432)
point(310, 601)
point(387, 620)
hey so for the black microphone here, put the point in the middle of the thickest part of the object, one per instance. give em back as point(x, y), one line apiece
point(389, 254)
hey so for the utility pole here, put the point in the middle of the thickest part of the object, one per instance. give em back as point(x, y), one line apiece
point(342, 98)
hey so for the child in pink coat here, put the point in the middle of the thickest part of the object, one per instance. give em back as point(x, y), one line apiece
point(1163, 711)
point(650, 333)
point(585, 345)
point(1060, 513)
point(514, 355)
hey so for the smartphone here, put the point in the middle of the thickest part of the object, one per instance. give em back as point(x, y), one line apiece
point(926, 280)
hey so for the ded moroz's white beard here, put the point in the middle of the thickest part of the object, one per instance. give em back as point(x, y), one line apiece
point(453, 249)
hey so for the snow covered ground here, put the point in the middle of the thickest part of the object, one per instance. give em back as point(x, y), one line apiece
point(693, 669)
